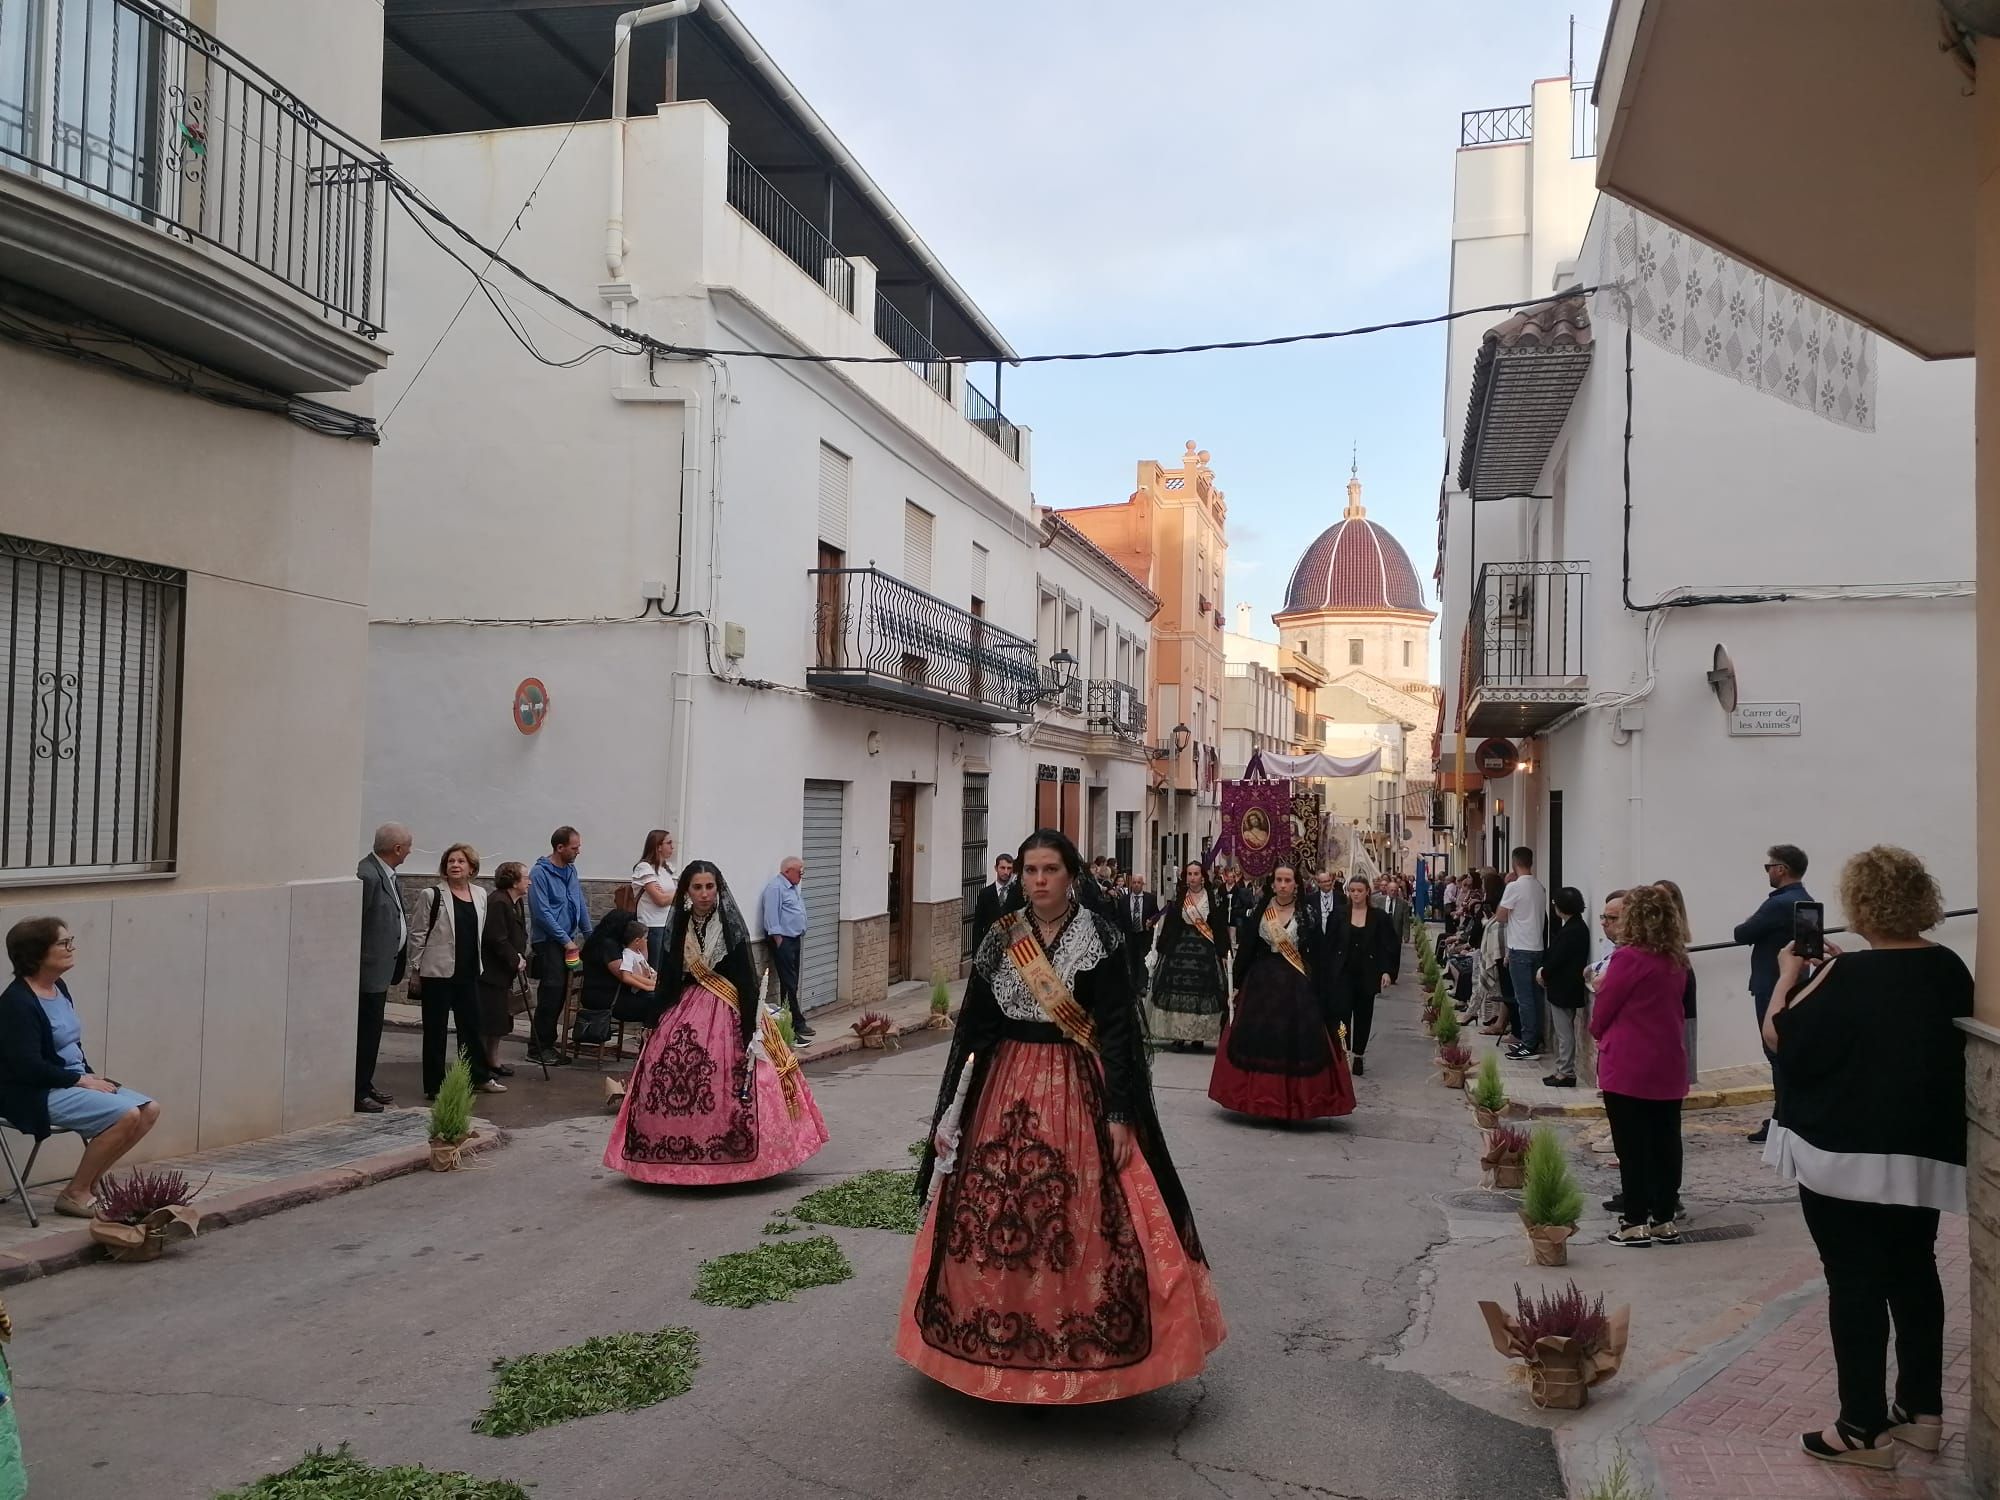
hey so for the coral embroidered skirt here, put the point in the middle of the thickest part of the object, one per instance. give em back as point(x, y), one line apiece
point(1040, 1275)
point(682, 1123)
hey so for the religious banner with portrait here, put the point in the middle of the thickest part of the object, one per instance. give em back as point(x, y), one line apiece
point(1308, 816)
point(1256, 824)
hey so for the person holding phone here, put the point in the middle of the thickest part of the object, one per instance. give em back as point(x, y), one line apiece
point(1871, 1126)
point(1769, 929)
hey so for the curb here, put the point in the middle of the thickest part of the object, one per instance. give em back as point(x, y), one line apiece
point(63, 1252)
point(1756, 1093)
point(842, 1045)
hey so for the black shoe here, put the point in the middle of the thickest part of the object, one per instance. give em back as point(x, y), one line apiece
point(379, 1097)
point(1517, 1052)
point(1557, 1081)
point(501, 1070)
point(804, 1035)
point(1615, 1204)
point(367, 1107)
point(1760, 1135)
point(549, 1059)
point(1360, 1065)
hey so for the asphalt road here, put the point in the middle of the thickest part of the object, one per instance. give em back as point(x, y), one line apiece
point(374, 1319)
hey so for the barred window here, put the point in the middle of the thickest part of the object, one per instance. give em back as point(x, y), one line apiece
point(91, 706)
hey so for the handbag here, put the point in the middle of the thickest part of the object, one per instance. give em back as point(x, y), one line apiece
point(592, 1028)
point(416, 985)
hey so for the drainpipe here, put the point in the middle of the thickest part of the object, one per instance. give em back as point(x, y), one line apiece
point(621, 77)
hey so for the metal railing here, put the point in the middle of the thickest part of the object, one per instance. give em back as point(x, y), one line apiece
point(1959, 911)
point(1117, 708)
point(1496, 127)
point(88, 713)
point(908, 340)
point(125, 104)
point(780, 221)
point(1582, 120)
point(1301, 725)
point(987, 417)
point(870, 624)
point(1068, 699)
point(1527, 624)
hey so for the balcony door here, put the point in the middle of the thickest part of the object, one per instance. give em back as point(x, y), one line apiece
point(830, 608)
point(902, 877)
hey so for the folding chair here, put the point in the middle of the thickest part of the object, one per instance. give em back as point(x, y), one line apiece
point(21, 1176)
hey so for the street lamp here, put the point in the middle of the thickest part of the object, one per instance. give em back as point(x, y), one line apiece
point(1061, 678)
point(1180, 738)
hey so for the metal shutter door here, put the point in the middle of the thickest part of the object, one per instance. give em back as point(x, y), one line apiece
point(819, 954)
point(834, 469)
point(916, 546)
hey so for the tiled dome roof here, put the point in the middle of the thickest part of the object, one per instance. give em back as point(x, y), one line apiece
point(1354, 565)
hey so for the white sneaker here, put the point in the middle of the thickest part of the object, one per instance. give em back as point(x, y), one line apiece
point(493, 1086)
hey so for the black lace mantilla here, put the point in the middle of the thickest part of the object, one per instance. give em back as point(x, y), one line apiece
point(1012, 1207)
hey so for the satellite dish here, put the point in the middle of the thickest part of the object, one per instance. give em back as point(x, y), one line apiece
point(1722, 678)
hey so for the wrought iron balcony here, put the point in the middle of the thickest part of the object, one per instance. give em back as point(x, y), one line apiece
point(984, 415)
point(780, 221)
point(910, 341)
point(1496, 127)
point(131, 108)
point(878, 639)
point(1526, 646)
point(1117, 708)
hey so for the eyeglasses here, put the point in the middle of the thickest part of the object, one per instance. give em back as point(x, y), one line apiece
point(68, 944)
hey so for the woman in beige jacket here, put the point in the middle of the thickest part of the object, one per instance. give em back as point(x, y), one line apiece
point(444, 968)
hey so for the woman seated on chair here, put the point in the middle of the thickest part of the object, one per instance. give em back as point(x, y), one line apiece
point(46, 1084)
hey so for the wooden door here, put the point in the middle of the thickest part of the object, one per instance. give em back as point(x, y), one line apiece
point(902, 881)
point(830, 611)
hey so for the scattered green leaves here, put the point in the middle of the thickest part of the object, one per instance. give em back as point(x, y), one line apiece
point(341, 1476)
point(917, 1149)
point(1618, 1484)
point(770, 1273)
point(779, 1226)
point(614, 1372)
point(880, 1199)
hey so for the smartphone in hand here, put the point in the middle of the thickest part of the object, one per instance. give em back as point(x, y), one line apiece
point(1809, 929)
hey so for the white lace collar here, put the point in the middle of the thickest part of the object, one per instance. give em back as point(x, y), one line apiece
point(714, 942)
point(1082, 946)
point(1275, 932)
point(1198, 907)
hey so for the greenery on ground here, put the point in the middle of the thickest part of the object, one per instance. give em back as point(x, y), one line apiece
point(1445, 1028)
point(917, 1149)
point(770, 1273)
point(451, 1111)
point(1618, 1484)
point(875, 1200)
point(1488, 1092)
point(1549, 1191)
point(341, 1476)
point(779, 1226)
point(615, 1372)
point(940, 994)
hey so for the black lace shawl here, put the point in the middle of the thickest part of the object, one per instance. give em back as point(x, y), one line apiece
point(737, 967)
point(1104, 990)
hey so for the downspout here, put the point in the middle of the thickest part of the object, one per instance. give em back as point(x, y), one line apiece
point(621, 79)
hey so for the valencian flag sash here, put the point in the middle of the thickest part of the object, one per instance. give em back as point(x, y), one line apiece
point(1031, 961)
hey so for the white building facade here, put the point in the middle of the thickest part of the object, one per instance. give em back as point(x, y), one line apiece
point(777, 607)
point(183, 570)
point(1795, 540)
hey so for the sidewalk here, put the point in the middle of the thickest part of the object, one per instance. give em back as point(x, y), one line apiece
point(245, 1182)
point(1727, 1426)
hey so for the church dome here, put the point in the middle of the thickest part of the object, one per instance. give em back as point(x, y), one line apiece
point(1354, 565)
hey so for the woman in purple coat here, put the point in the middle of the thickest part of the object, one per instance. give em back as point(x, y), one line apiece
point(1642, 1063)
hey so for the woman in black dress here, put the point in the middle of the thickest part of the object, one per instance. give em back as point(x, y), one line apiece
point(1192, 941)
point(1370, 958)
point(503, 955)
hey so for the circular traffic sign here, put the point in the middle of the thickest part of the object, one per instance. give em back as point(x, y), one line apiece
point(531, 705)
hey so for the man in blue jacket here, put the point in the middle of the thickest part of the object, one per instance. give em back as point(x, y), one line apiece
point(557, 916)
point(1768, 930)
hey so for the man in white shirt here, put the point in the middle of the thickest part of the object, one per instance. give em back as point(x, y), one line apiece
point(385, 936)
point(1329, 898)
point(1524, 915)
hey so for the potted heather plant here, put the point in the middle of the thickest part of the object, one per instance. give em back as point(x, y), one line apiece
point(1551, 1201)
point(940, 1018)
point(876, 1030)
point(1565, 1340)
point(1489, 1094)
point(451, 1117)
point(1503, 1155)
point(140, 1213)
point(1453, 1059)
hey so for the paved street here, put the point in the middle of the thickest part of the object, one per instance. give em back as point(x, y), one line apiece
point(373, 1318)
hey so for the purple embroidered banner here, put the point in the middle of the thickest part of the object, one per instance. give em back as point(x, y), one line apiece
point(1256, 824)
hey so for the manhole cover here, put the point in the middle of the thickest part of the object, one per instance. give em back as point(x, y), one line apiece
point(1483, 1201)
point(1713, 1232)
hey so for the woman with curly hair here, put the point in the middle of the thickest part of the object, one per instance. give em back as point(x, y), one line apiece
point(1642, 1063)
point(1871, 1125)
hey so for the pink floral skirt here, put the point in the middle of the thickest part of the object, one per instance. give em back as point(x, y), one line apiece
point(682, 1124)
point(1057, 1281)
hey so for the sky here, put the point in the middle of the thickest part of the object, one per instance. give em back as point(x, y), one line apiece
point(1107, 173)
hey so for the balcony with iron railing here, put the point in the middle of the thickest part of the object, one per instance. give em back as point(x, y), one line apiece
point(1063, 697)
point(159, 179)
point(781, 221)
point(1116, 708)
point(1526, 646)
point(987, 417)
point(878, 639)
point(913, 344)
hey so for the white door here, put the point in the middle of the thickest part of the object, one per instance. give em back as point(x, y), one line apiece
point(819, 955)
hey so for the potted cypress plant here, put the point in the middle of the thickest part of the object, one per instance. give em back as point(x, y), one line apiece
point(1551, 1201)
point(451, 1117)
point(1566, 1341)
point(1502, 1155)
point(940, 1017)
point(1489, 1094)
point(140, 1213)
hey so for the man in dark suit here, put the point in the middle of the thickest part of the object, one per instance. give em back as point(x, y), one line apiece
point(385, 935)
point(1235, 899)
point(992, 899)
point(1137, 912)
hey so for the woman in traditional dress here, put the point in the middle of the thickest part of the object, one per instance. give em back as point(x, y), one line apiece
point(717, 1095)
point(1058, 1262)
point(1281, 1056)
point(1192, 941)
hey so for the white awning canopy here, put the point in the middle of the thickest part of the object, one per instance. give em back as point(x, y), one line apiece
point(1265, 766)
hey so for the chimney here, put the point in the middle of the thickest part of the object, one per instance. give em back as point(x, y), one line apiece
point(1242, 619)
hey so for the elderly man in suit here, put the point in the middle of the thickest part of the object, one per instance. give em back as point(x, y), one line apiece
point(1136, 910)
point(385, 935)
point(992, 899)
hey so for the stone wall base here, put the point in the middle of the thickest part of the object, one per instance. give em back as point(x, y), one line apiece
point(935, 949)
point(1982, 1110)
point(864, 960)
